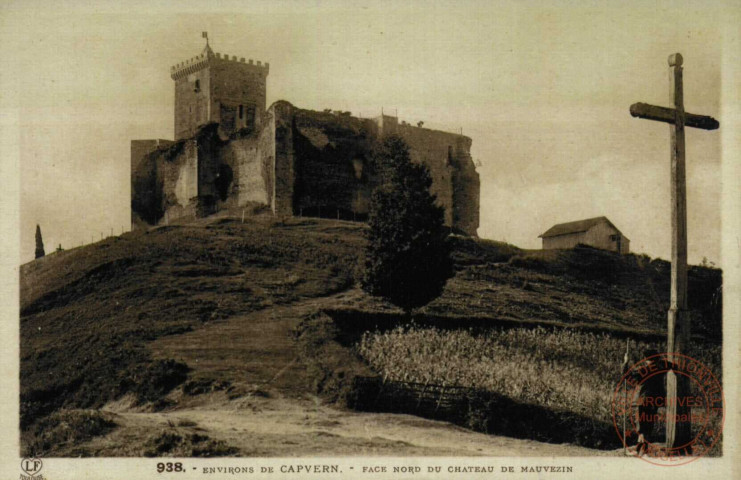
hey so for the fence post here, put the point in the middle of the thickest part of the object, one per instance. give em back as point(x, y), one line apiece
point(419, 399)
point(440, 398)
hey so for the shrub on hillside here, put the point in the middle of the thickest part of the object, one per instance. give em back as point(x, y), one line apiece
point(171, 443)
point(65, 429)
point(156, 379)
point(407, 256)
point(329, 365)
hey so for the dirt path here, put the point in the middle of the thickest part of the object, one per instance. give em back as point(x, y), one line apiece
point(282, 427)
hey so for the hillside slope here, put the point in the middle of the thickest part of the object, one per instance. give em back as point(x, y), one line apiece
point(152, 316)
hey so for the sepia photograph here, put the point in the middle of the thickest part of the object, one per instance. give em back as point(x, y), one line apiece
point(346, 239)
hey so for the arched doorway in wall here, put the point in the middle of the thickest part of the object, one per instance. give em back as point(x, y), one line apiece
point(223, 181)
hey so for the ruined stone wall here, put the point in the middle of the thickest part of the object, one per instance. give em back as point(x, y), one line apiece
point(333, 173)
point(146, 193)
point(164, 182)
point(327, 157)
point(299, 162)
point(284, 175)
point(244, 158)
point(179, 181)
point(140, 148)
point(209, 170)
point(266, 155)
point(466, 186)
point(455, 181)
point(436, 151)
point(200, 175)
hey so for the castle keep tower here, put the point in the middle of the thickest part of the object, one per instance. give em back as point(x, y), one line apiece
point(212, 87)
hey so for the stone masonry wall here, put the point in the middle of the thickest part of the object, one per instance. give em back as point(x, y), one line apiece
point(327, 155)
point(435, 151)
point(455, 180)
point(179, 180)
point(299, 162)
point(235, 84)
point(216, 88)
point(284, 175)
point(192, 104)
point(333, 173)
point(164, 182)
point(243, 156)
point(266, 155)
point(145, 191)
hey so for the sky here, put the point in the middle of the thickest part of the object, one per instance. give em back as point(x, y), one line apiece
point(542, 88)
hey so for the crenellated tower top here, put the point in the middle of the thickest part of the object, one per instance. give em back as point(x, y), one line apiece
point(208, 57)
point(214, 87)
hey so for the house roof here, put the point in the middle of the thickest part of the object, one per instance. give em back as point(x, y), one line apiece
point(575, 227)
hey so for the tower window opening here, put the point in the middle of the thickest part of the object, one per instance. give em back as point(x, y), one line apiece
point(197, 87)
point(250, 117)
point(241, 112)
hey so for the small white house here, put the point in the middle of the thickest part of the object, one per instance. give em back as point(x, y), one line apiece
point(597, 232)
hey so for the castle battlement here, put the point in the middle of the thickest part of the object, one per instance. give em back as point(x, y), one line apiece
point(208, 58)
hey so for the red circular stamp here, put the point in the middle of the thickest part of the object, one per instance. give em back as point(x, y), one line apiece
point(642, 409)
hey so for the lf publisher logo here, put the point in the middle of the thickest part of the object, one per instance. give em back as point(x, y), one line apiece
point(32, 468)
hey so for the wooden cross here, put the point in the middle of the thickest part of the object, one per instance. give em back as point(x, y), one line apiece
point(678, 325)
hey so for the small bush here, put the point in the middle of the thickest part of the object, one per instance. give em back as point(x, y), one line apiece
point(330, 365)
point(204, 385)
point(171, 443)
point(155, 380)
point(65, 429)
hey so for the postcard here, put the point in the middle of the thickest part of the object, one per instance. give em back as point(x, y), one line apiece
point(372, 240)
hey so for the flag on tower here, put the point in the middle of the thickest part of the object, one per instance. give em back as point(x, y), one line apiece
point(204, 34)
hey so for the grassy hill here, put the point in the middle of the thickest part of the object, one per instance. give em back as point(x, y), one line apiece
point(218, 305)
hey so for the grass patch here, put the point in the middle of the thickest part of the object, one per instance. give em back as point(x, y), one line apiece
point(582, 286)
point(172, 443)
point(65, 430)
point(331, 366)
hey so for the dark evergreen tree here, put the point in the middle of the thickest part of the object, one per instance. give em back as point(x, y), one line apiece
point(39, 243)
point(407, 256)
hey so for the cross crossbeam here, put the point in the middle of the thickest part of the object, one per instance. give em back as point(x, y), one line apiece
point(668, 115)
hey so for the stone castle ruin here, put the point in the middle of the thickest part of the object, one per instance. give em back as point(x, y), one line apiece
point(230, 151)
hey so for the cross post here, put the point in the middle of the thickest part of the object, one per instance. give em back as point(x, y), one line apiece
point(678, 433)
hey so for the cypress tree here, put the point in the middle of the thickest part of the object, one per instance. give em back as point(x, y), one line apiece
point(39, 243)
point(407, 254)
